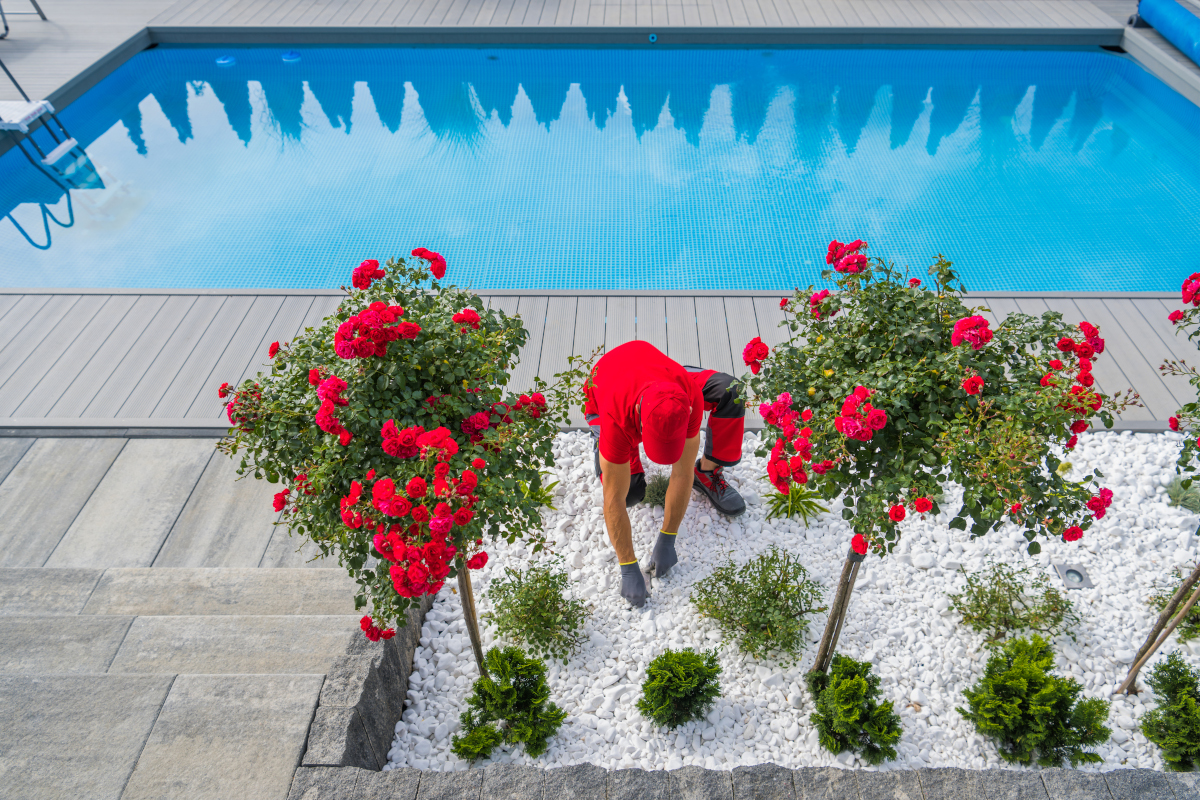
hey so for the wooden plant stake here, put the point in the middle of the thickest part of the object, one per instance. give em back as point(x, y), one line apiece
point(467, 593)
point(1154, 642)
point(837, 612)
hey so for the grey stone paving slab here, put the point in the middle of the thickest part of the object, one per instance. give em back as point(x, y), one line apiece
point(60, 644)
point(450, 785)
point(578, 782)
point(285, 550)
point(951, 784)
point(226, 522)
point(338, 738)
point(37, 506)
point(154, 591)
point(11, 451)
point(233, 644)
point(1008, 784)
point(324, 783)
point(37, 590)
point(1185, 784)
point(1138, 784)
point(131, 512)
point(697, 783)
point(397, 784)
point(763, 782)
point(513, 782)
point(637, 784)
point(898, 784)
point(825, 783)
point(75, 736)
point(1070, 784)
point(226, 736)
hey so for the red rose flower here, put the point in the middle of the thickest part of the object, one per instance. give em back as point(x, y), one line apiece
point(1074, 440)
point(1079, 426)
point(783, 301)
point(479, 463)
point(859, 544)
point(1173, 422)
point(273, 349)
point(280, 500)
point(973, 384)
point(416, 488)
point(1084, 350)
point(437, 264)
point(1066, 344)
point(972, 330)
point(914, 282)
point(1191, 289)
point(1015, 508)
point(223, 391)
point(806, 415)
point(344, 438)
point(409, 330)
point(923, 504)
point(1175, 316)
point(1055, 364)
point(1073, 534)
point(420, 513)
point(897, 513)
point(1089, 330)
point(754, 353)
point(477, 561)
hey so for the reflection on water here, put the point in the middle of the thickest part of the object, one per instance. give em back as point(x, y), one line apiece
point(615, 169)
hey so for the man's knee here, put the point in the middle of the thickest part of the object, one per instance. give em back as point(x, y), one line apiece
point(637, 490)
point(724, 391)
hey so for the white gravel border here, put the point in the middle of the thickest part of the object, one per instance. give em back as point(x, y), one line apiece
point(899, 621)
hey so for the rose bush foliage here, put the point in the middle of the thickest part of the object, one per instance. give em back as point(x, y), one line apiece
point(392, 433)
point(1187, 418)
point(887, 390)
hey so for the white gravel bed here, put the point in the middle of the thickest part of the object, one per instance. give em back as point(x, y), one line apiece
point(899, 620)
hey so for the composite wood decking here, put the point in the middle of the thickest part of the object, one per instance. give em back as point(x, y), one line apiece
point(155, 360)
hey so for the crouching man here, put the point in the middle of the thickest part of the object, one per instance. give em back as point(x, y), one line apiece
point(636, 395)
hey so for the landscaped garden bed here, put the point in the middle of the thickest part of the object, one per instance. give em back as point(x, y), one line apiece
point(902, 623)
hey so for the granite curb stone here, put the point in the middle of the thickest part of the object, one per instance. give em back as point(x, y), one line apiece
point(1003, 784)
point(513, 782)
point(697, 783)
point(1139, 784)
point(951, 783)
point(577, 782)
point(824, 783)
point(397, 784)
point(895, 784)
point(450, 785)
point(324, 783)
point(637, 784)
point(1069, 784)
point(763, 782)
point(1185, 785)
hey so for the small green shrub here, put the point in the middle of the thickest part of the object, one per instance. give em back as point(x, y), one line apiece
point(1189, 628)
point(1000, 600)
point(656, 489)
point(1188, 497)
point(800, 501)
point(849, 715)
point(1175, 724)
point(763, 605)
point(516, 695)
point(1033, 713)
point(680, 685)
point(529, 607)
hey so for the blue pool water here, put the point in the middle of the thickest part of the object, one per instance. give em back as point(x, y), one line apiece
point(616, 169)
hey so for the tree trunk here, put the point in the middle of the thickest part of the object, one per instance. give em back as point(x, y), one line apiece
point(467, 593)
point(1163, 618)
point(837, 612)
point(1147, 651)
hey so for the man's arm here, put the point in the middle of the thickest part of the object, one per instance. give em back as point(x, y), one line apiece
point(679, 491)
point(616, 487)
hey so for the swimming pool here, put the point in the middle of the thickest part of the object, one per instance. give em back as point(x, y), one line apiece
point(615, 169)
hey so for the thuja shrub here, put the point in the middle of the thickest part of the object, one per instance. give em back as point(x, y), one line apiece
point(1001, 599)
point(393, 435)
point(511, 705)
point(849, 715)
point(1032, 713)
point(889, 388)
point(529, 607)
point(1174, 725)
point(656, 489)
point(680, 685)
point(762, 605)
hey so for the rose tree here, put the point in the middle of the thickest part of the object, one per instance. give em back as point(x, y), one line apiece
point(396, 443)
point(887, 391)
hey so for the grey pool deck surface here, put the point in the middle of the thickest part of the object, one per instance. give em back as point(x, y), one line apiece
point(160, 637)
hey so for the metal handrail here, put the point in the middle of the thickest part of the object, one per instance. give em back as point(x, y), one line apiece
point(4, 18)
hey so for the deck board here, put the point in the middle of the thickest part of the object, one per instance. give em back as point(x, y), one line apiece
point(158, 358)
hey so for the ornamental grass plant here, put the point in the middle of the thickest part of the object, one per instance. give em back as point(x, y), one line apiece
point(849, 714)
point(1000, 600)
point(1032, 713)
point(395, 440)
point(763, 605)
point(513, 695)
point(680, 685)
point(1174, 724)
point(530, 607)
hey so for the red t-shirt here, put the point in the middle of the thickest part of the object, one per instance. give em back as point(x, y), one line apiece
point(616, 383)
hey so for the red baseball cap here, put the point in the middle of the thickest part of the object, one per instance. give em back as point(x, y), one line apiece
point(665, 415)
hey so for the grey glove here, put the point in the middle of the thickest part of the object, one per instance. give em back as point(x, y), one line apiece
point(663, 557)
point(633, 584)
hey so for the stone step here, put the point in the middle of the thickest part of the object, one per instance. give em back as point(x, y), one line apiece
point(153, 591)
point(120, 737)
point(216, 645)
